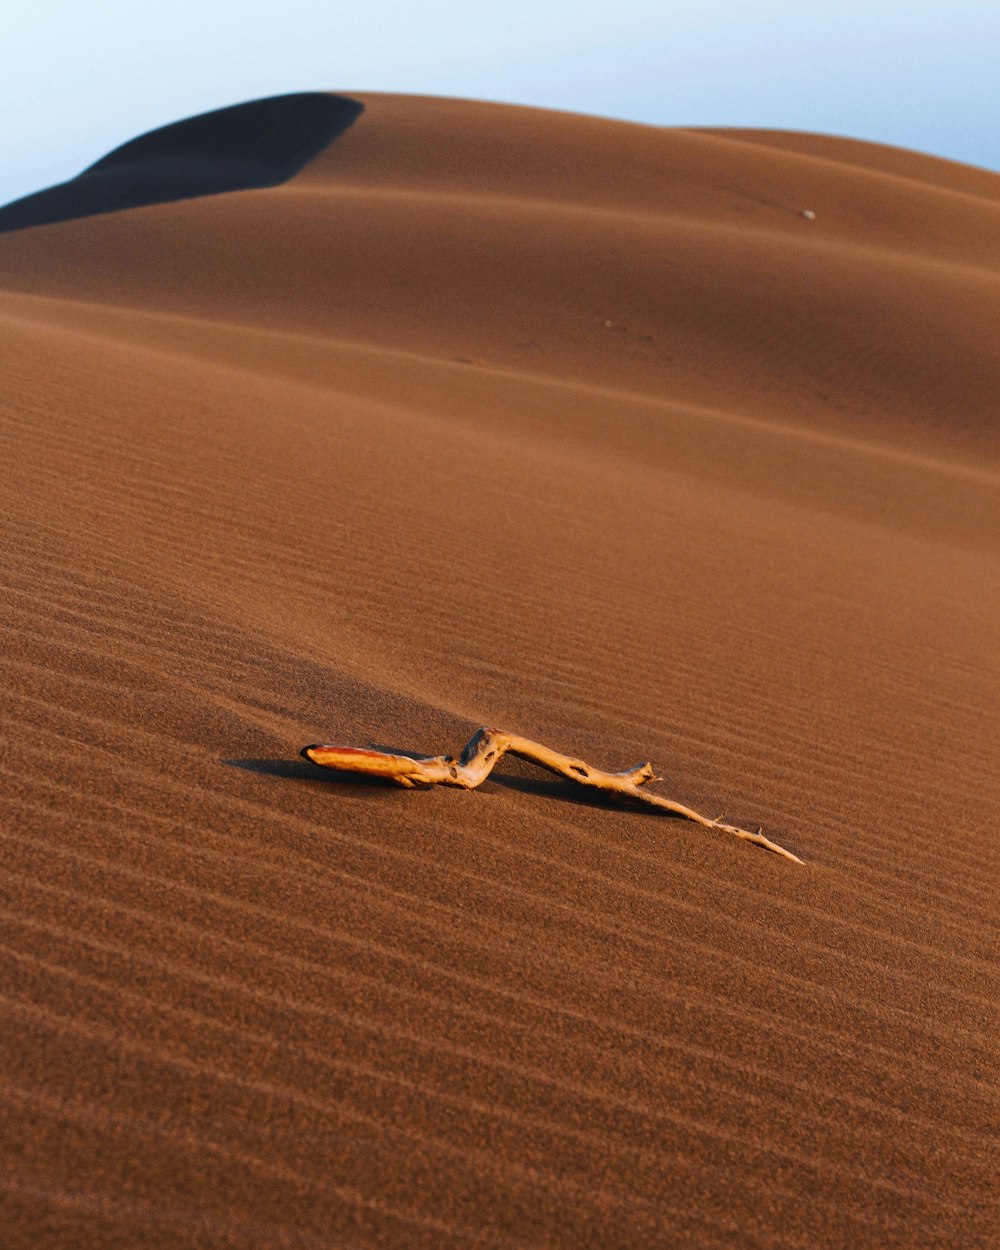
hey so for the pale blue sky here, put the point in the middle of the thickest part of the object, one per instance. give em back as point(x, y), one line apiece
point(80, 77)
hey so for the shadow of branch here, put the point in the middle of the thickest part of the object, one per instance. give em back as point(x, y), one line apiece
point(578, 796)
point(305, 770)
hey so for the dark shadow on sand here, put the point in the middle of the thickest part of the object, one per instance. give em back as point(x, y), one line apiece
point(579, 796)
point(305, 770)
point(259, 144)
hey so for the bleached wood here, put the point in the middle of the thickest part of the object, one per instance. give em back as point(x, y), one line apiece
point(481, 754)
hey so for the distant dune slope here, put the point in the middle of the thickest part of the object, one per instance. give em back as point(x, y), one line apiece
point(664, 262)
point(574, 427)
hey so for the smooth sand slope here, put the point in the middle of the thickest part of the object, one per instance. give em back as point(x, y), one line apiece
point(579, 429)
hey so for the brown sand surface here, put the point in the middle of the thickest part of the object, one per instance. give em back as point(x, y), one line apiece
point(583, 430)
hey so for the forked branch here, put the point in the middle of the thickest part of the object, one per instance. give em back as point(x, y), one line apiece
point(481, 754)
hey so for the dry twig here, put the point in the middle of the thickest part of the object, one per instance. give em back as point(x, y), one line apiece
point(482, 752)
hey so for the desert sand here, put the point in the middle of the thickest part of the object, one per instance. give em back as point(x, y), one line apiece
point(676, 445)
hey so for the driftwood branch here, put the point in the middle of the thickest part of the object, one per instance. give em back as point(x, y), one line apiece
point(487, 746)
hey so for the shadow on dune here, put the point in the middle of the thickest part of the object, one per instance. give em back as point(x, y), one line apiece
point(579, 796)
point(305, 770)
point(259, 144)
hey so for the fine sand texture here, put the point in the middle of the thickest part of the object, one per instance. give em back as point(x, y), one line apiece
point(644, 444)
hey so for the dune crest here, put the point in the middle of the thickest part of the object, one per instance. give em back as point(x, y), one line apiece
point(259, 144)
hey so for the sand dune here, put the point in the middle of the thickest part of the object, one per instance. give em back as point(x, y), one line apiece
point(582, 429)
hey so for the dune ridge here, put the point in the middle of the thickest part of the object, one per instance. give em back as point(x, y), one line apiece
point(491, 415)
point(259, 144)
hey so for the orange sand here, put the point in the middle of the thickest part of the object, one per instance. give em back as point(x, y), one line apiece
point(579, 428)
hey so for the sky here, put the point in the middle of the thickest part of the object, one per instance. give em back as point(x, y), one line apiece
point(77, 79)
